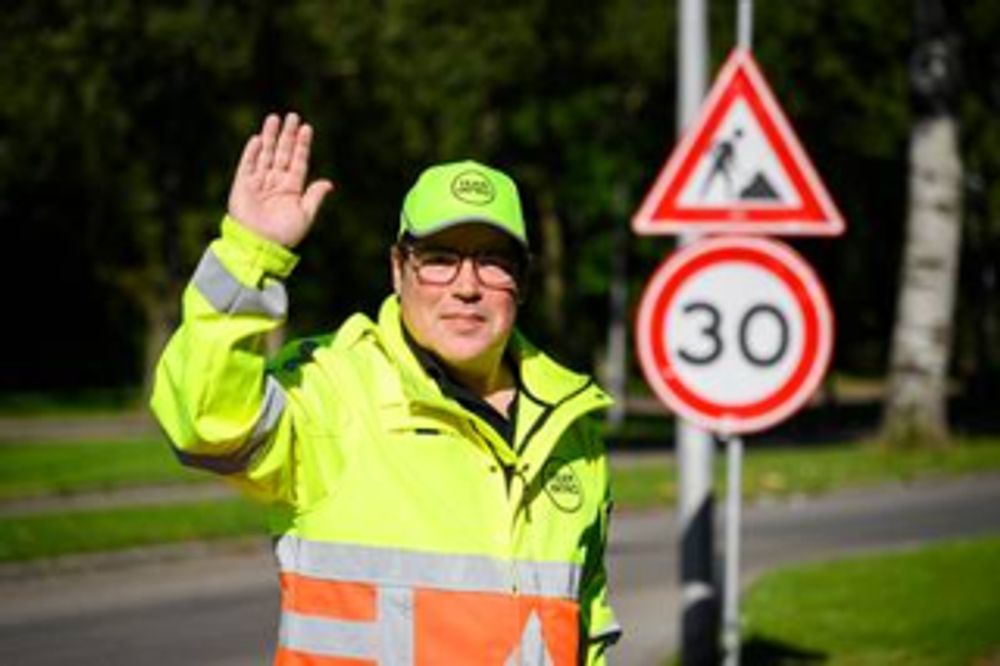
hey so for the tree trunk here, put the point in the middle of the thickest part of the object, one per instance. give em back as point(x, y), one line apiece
point(616, 360)
point(161, 319)
point(916, 412)
point(553, 254)
point(916, 406)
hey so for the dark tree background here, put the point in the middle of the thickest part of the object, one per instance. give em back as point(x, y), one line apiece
point(122, 120)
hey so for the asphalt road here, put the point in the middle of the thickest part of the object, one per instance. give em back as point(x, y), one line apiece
point(215, 608)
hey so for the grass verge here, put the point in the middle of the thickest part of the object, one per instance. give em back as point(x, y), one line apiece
point(58, 468)
point(65, 468)
point(42, 536)
point(937, 606)
point(809, 471)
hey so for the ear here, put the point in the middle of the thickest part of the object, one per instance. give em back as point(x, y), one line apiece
point(396, 266)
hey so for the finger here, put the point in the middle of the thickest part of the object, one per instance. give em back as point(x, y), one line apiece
point(268, 138)
point(248, 160)
point(314, 196)
point(298, 167)
point(286, 141)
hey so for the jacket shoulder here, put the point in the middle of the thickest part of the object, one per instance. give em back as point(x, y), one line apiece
point(299, 352)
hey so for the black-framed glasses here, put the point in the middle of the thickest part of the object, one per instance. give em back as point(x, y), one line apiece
point(440, 266)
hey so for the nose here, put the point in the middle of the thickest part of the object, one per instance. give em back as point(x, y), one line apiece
point(466, 284)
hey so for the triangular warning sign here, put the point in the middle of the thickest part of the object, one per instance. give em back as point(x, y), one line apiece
point(739, 168)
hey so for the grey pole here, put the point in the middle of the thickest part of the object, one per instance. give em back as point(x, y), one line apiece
point(699, 597)
point(731, 585)
point(734, 455)
point(699, 613)
point(744, 23)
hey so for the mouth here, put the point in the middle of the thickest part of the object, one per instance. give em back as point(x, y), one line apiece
point(464, 319)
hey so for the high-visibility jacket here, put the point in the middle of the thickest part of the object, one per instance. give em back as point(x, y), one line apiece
point(410, 532)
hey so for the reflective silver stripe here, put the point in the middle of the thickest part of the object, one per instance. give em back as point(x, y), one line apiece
point(271, 409)
point(531, 649)
point(548, 579)
point(395, 625)
point(409, 568)
point(229, 296)
point(331, 638)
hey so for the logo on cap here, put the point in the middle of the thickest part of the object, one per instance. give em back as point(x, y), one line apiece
point(473, 187)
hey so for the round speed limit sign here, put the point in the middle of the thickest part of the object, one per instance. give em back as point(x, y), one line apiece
point(734, 334)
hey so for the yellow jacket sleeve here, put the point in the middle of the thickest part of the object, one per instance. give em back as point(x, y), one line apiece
point(212, 395)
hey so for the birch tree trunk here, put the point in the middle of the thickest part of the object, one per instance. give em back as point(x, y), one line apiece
point(916, 412)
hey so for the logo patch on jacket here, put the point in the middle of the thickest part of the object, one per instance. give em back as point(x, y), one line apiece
point(562, 485)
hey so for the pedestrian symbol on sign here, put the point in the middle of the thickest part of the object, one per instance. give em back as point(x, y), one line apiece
point(738, 170)
point(725, 165)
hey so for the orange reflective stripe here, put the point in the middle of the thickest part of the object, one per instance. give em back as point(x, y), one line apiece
point(328, 598)
point(460, 628)
point(286, 657)
point(559, 623)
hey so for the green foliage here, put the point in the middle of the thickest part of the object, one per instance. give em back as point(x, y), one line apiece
point(122, 121)
point(933, 606)
point(117, 111)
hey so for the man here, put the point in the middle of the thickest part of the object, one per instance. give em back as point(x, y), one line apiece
point(440, 495)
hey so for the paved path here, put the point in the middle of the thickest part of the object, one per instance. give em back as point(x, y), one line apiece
point(84, 427)
point(172, 493)
point(212, 607)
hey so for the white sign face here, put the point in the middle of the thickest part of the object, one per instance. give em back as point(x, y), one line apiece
point(739, 169)
point(734, 334)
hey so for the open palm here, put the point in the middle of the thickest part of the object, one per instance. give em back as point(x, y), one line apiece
point(269, 193)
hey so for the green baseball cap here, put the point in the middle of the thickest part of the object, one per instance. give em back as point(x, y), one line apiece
point(458, 193)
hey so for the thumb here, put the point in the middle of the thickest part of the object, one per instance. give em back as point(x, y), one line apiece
point(314, 196)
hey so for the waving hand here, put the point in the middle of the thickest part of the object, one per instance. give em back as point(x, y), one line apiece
point(269, 193)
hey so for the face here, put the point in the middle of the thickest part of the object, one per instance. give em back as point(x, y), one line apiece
point(465, 323)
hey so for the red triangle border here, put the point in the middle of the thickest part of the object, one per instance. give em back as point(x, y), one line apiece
point(661, 212)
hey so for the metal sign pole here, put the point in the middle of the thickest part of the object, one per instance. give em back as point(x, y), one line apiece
point(731, 601)
point(734, 460)
point(744, 25)
point(699, 615)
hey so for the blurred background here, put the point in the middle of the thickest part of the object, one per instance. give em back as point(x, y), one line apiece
point(122, 121)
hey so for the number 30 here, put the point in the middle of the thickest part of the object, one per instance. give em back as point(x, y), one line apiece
point(711, 331)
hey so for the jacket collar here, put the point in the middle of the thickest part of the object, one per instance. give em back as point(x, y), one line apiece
point(564, 395)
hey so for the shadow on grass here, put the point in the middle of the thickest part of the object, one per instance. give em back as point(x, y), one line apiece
point(762, 651)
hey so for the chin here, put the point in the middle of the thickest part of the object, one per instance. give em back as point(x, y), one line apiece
point(462, 354)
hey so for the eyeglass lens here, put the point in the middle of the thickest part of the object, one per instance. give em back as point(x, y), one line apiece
point(441, 267)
